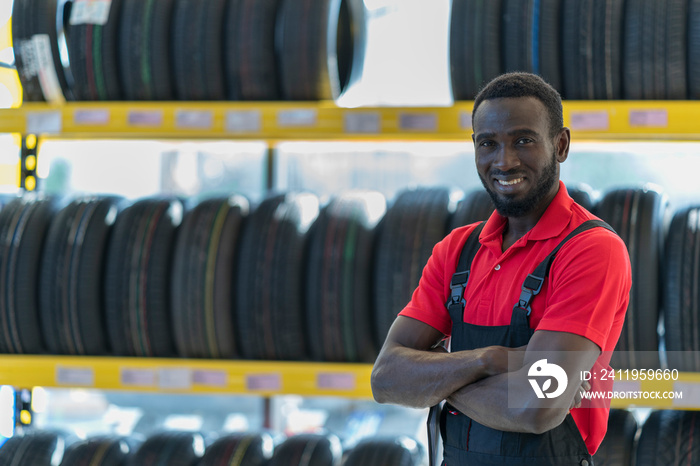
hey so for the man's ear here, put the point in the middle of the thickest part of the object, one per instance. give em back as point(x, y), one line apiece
point(562, 142)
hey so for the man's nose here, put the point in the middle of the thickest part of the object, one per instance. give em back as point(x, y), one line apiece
point(506, 159)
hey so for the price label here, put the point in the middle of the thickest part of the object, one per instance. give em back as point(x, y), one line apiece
point(649, 118)
point(75, 376)
point(263, 382)
point(137, 377)
point(336, 381)
point(465, 120)
point(362, 122)
point(298, 118)
point(149, 118)
point(194, 119)
point(243, 121)
point(44, 122)
point(90, 12)
point(590, 121)
point(418, 121)
point(210, 378)
point(91, 117)
point(175, 379)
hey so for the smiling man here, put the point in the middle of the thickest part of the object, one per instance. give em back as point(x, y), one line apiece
point(542, 276)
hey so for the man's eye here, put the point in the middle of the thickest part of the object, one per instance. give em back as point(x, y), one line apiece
point(486, 143)
point(524, 141)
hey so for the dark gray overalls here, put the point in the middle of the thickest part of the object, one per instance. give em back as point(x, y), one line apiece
point(465, 441)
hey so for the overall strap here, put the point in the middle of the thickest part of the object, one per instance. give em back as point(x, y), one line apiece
point(456, 303)
point(533, 283)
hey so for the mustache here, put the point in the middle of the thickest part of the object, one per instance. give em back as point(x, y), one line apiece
point(494, 173)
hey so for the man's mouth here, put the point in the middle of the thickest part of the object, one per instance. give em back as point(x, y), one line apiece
point(509, 183)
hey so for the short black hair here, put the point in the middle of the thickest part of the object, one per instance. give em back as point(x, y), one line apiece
point(520, 84)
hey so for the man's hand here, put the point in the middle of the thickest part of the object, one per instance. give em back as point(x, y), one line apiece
point(578, 398)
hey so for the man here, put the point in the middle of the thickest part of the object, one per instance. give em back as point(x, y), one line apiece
point(503, 325)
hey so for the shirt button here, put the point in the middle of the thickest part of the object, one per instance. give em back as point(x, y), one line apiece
point(498, 267)
point(584, 462)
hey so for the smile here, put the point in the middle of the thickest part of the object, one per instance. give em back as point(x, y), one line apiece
point(509, 183)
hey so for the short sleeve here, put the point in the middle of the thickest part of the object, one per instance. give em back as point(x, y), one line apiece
point(590, 283)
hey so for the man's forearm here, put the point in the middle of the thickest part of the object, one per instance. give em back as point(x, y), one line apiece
point(510, 406)
point(420, 379)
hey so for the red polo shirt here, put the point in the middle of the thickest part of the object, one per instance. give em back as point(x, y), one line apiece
point(586, 293)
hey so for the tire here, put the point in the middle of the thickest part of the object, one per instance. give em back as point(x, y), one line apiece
point(416, 221)
point(36, 26)
point(475, 207)
point(144, 54)
point(37, 449)
point(475, 45)
point(92, 50)
point(197, 41)
point(320, 47)
point(105, 451)
point(71, 278)
point(338, 302)
point(397, 451)
point(669, 437)
point(173, 449)
point(243, 449)
point(206, 250)
point(308, 449)
point(680, 295)
point(637, 215)
point(20, 257)
point(693, 49)
point(137, 287)
point(270, 278)
point(250, 63)
point(617, 448)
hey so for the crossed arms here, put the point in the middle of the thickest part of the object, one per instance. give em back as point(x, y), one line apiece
point(412, 371)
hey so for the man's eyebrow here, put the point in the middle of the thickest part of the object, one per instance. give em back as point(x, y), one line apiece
point(515, 132)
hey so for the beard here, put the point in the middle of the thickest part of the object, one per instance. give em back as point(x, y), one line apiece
point(508, 207)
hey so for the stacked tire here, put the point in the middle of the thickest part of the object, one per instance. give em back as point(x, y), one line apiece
point(181, 50)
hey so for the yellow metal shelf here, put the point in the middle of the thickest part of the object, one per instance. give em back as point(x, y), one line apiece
point(622, 120)
point(263, 378)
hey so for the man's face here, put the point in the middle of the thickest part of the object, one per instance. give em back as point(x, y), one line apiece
point(516, 157)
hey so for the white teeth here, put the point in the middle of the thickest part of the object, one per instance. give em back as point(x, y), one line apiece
point(509, 183)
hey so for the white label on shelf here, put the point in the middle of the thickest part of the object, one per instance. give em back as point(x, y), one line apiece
point(649, 118)
point(690, 394)
point(263, 382)
point(152, 118)
point(138, 377)
point(249, 121)
point(46, 70)
point(175, 378)
point(589, 121)
point(210, 377)
point(362, 122)
point(91, 117)
point(418, 121)
point(336, 381)
point(297, 118)
point(90, 12)
point(465, 120)
point(75, 376)
point(44, 122)
point(194, 119)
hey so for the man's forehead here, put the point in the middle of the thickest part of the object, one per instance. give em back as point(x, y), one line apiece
point(521, 111)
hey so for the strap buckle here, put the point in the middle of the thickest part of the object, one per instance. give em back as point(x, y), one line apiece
point(531, 288)
point(457, 285)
